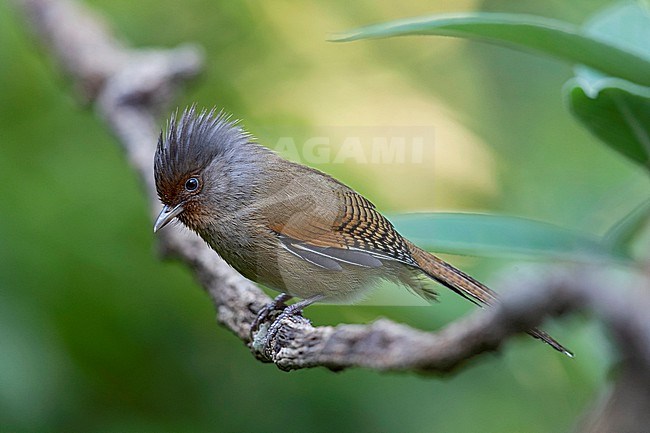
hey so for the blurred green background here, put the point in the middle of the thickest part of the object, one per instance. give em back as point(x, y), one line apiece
point(96, 334)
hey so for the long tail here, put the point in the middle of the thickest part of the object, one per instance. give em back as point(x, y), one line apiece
point(468, 288)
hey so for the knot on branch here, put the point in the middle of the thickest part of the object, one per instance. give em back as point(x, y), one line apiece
point(151, 77)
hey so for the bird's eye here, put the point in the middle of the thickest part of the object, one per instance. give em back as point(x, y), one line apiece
point(192, 184)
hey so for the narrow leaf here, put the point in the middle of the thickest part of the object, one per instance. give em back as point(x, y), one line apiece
point(552, 37)
point(624, 231)
point(492, 235)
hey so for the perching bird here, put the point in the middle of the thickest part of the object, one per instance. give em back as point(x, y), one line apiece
point(289, 227)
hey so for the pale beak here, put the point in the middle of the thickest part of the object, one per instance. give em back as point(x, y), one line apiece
point(166, 215)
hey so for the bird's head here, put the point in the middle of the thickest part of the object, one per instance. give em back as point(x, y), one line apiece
point(202, 163)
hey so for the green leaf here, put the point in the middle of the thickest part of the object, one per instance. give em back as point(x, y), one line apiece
point(552, 37)
point(619, 237)
point(615, 110)
point(618, 113)
point(490, 235)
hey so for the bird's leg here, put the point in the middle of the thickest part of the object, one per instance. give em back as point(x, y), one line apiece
point(292, 310)
point(278, 303)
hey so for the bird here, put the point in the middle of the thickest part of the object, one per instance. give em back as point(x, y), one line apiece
point(289, 227)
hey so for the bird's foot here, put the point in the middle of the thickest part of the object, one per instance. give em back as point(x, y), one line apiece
point(290, 311)
point(264, 339)
point(278, 304)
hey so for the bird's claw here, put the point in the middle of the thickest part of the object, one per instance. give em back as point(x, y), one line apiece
point(290, 311)
point(278, 304)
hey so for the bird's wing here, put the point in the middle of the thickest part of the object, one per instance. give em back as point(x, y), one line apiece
point(336, 227)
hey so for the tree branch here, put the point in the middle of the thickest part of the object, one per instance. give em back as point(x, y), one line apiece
point(129, 87)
